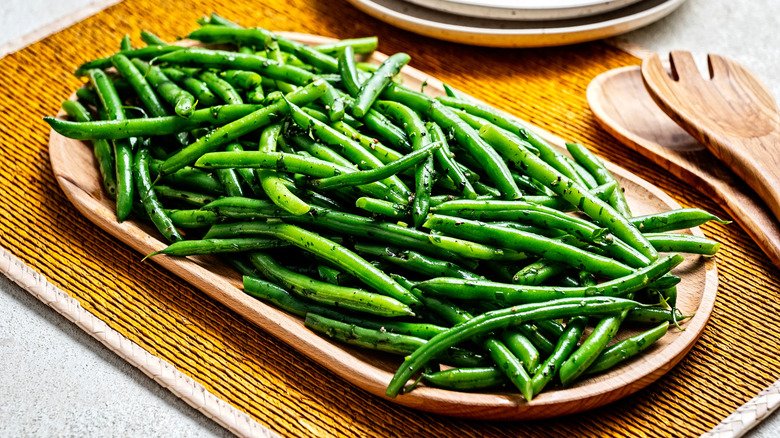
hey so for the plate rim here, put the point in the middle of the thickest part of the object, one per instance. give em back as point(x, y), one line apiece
point(497, 10)
point(515, 38)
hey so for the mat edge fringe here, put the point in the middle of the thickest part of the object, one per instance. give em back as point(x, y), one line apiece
point(159, 370)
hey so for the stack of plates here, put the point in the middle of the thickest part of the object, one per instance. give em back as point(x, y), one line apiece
point(518, 23)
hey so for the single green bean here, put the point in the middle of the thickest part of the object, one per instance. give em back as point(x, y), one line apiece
point(672, 220)
point(565, 346)
point(123, 154)
point(325, 293)
point(144, 127)
point(379, 80)
point(627, 348)
point(358, 45)
point(149, 199)
point(191, 218)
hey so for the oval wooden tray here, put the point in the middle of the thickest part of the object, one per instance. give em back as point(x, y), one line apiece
point(75, 170)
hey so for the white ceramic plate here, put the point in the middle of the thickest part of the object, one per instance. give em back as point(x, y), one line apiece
point(525, 9)
point(504, 33)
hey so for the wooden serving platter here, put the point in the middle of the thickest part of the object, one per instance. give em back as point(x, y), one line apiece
point(76, 171)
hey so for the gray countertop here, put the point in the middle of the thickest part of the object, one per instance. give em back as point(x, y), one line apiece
point(56, 380)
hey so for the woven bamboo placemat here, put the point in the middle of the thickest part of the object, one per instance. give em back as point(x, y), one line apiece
point(736, 357)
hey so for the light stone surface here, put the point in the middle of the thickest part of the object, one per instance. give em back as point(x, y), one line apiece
point(55, 380)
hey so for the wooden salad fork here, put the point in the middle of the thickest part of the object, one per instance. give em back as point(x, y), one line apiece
point(732, 113)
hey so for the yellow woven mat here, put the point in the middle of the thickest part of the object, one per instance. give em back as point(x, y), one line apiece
point(736, 357)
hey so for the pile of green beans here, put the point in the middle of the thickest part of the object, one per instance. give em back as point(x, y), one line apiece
point(434, 228)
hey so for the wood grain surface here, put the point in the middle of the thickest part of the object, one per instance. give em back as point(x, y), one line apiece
point(732, 113)
point(623, 108)
point(73, 165)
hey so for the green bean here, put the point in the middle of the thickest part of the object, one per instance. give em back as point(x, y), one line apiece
point(273, 52)
point(221, 88)
point(491, 162)
point(139, 83)
point(416, 262)
point(484, 232)
point(182, 101)
point(145, 53)
point(601, 212)
point(288, 163)
point(524, 211)
point(521, 347)
point(123, 155)
point(119, 129)
point(672, 220)
point(379, 80)
point(416, 131)
point(188, 197)
point(683, 243)
point(538, 272)
point(381, 125)
point(654, 315)
point(358, 45)
point(125, 44)
point(327, 249)
point(512, 294)
point(230, 181)
point(602, 175)
point(498, 319)
point(511, 366)
point(627, 348)
point(321, 292)
point(191, 218)
point(244, 208)
point(379, 173)
point(249, 81)
point(152, 39)
point(101, 148)
point(274, 187)
point(248, 175)
point(188, 178)
point(265, 67)
point(348, 71)
point(210, 246)
point(566, 344)
point(551, 328)
point(353, 151)
point(449, 166)
point(195, 86)
point(149, 199)
point(467, 379)
point(333, 276)
point(229, 132)
point(385, 208)
point(591, 348)
point(359, 226)
point(501, 120)
point(474, 250)
point(372, 145)
point(539, 341)
point(384, 341)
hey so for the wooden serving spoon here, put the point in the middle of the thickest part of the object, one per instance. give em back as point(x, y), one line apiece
point(731, 113)
point(623, 107)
